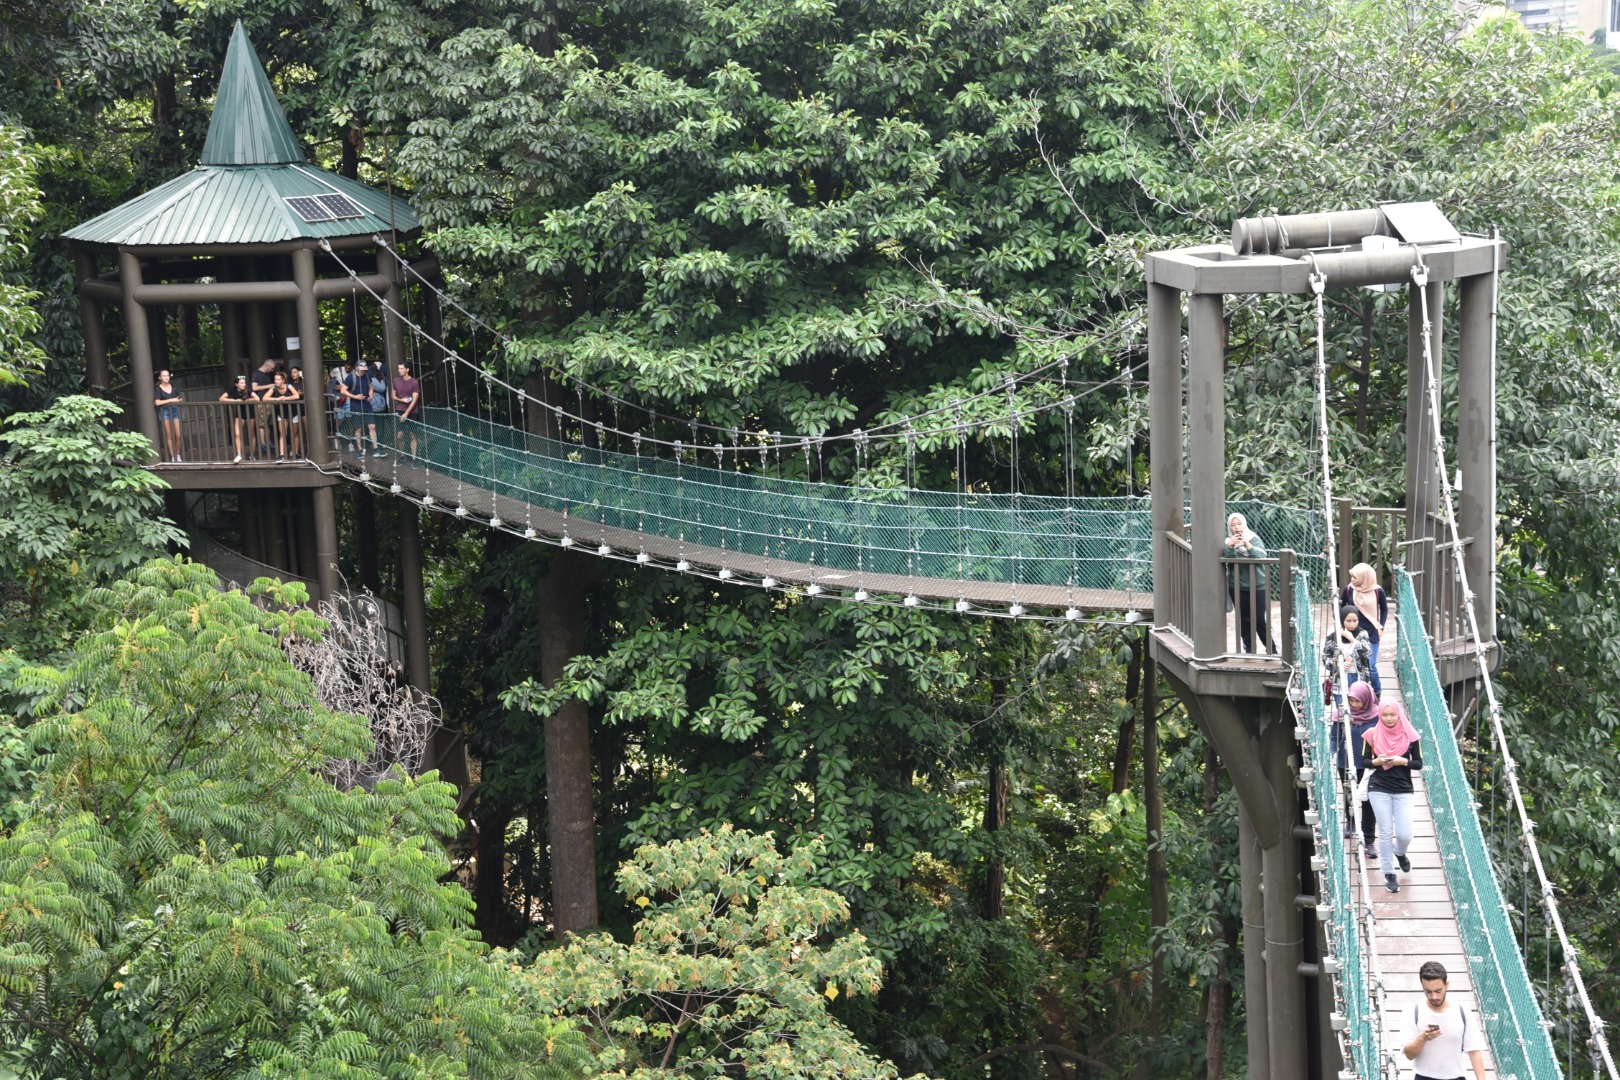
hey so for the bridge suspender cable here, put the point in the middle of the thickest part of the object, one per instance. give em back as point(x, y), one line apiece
point(1600, 1045)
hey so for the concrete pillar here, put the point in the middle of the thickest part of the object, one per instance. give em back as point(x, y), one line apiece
point(307, 563)
point(1422, 483)
point(1254, 950)
point(96, 369)
point(1476, 441)
point(1206, 411)
point(248, 523)
point(326, 544)
point(1287, 1017)
point(1168, 485)
point(317, 445)
point(140, 345)
point(278, 553)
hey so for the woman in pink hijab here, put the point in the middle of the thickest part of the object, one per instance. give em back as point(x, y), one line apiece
point(1392, 751)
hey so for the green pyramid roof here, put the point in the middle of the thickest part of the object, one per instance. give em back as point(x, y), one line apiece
point(251, 165)
point(248, 127)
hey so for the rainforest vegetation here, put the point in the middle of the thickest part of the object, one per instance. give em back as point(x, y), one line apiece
point(909, 843)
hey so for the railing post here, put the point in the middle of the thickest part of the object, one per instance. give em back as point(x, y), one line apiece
point(1285, 594)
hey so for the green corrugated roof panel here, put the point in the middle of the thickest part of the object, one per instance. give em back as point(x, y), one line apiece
point(248, 126)
point(241, 204)
point(251, 165)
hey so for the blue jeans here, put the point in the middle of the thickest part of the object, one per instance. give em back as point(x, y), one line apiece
point(1377, 683)
point(1394, 813)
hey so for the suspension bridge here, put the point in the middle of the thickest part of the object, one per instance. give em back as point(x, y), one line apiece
point(653, 501)
point(1330, 964)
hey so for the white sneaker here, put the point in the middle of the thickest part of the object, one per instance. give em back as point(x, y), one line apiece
point(178, 460)
point(237, 460)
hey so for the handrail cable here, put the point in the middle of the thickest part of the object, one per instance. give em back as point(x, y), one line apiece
point(893, 429)
point(782, 442)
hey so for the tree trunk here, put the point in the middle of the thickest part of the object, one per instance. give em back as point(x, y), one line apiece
point(570, 811)
point(995, 816)
point(1127, 727)
point(489, 886)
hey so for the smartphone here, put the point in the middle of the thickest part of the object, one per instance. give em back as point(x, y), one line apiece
point(1434, 1027)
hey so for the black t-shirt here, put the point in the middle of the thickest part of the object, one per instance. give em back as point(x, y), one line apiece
point(263, 380)
point(1397, 779)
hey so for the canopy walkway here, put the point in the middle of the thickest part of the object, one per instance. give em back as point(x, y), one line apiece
point(973, 551)
point(1450, 907)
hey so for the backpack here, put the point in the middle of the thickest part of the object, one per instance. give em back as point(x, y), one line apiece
point(379, 396)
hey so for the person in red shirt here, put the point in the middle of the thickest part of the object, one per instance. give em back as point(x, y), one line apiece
point(407, 406)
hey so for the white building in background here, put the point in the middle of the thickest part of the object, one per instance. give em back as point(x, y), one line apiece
point(1579, 16)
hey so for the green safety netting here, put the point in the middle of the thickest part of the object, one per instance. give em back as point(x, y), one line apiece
point(1337, 891)
point(1506, 997)
point(1083, 543)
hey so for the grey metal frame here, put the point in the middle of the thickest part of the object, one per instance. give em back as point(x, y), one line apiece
point(1242, 714)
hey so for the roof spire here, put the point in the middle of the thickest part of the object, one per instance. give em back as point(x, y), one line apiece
point(248, 127)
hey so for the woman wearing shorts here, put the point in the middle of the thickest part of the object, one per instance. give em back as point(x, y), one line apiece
point(282, 397)
point(168, 409)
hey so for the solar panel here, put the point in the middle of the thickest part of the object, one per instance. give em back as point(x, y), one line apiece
point(318, 208)
point(309, 208)
point(340, 206)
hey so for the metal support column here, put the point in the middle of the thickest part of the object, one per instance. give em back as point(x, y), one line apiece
point(1422, 485)
point(258, 330)
point(1476, 441)
point(1164, 429)
point(140, 346)
point(97, 371)
point(1206, 411)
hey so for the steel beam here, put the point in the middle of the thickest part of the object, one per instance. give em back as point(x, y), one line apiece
point(1206, 410)
point(1476, 441)
point(1164, 428)
point(1422, 483)
point(1256, 1015)
point(1286, 1015)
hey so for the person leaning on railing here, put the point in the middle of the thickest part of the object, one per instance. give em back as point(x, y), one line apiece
point(295, 379)
point(1246, 585)
point(241, 414)
point(282, 399)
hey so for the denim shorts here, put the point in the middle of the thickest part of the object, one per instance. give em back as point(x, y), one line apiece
point(168, 412)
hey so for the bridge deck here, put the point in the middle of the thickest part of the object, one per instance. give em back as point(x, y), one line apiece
point(1418, 923)
point(449, 493)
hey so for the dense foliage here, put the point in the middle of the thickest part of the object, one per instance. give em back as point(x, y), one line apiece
point(817, 215)
point(186, 893)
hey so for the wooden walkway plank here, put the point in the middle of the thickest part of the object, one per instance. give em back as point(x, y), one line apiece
point(1419, 923)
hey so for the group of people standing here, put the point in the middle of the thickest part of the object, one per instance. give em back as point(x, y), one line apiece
point(358, 393)
point(266, 409)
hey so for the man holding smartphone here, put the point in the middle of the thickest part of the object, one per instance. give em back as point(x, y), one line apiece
point(1441, 1032)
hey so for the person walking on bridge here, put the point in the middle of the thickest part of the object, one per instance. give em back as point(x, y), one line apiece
point(1440, 1032)
point(1364, 714)
point(1392, 745)
point(1346, 653)
point(1368, 598)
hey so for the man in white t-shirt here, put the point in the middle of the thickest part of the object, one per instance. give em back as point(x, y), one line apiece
point(1440, 1032)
